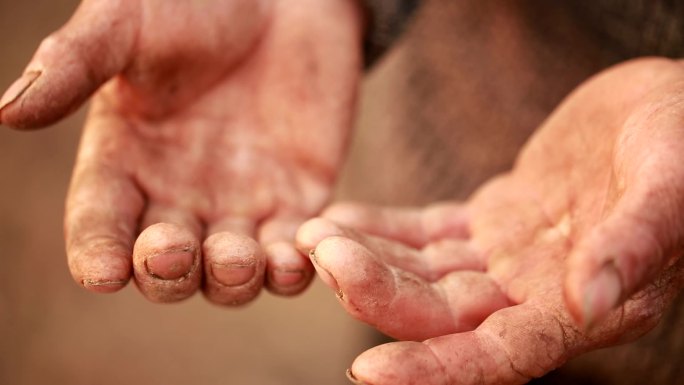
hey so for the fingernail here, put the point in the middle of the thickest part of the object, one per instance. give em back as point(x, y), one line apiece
point(18, 88)
point(353, 379)
point(103, 286)
point(234, 274)
point(170, 265)
point(285, 278)
point(326, 276)
point(602, 294)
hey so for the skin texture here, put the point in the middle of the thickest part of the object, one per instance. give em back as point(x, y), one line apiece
point(575, 249)
point(147, 99)
point(204, 133)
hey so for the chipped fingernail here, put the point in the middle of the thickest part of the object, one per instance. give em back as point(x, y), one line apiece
point(18, 88)
point(94, 282)
point(353, 378)
point(170, 265)
point(104, 285)
point(234, 274)
point(284, 277)
point(602, 294)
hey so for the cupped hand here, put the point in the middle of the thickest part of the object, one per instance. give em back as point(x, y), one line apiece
point(213, 123)
point(577, 248)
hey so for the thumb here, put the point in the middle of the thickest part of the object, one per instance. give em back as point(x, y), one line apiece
point(612, 262)
point(642, 235)
point(71, 64)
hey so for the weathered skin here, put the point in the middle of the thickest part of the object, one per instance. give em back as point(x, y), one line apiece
point(223, 118)
point(582, 238)
point(140, 165)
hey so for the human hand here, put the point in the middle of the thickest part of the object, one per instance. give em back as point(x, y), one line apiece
point(218, 122)
point(577, 248)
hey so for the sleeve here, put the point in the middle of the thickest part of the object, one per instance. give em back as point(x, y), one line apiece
point(386, 21)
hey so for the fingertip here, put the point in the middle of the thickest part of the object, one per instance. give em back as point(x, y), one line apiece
point(235, 267)
point(398, 363)
point(15, 92)
point(288, 271)
point(322, 270)
point(591, 298)
point(166, 260)
point(43, 96)
point(593, 285)
point(231, 258)
point(351, 377)
point(313, 231)
point(72, 64)
point(101, 265)
point(364, 284)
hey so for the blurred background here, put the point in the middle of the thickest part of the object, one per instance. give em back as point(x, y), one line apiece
point(54, 332)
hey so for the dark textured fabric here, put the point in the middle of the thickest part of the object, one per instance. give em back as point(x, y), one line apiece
point(387, 19)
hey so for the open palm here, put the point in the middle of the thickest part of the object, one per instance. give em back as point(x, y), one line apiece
point(577, 248)
point(218, 122)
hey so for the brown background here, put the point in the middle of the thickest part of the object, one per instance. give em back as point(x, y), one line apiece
point(53, 332)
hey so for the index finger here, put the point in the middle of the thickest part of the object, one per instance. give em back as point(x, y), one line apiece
point(512, 346)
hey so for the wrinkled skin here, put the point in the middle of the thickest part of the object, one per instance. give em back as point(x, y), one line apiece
point(578, 247)
point(213, 123)
point(210, 141)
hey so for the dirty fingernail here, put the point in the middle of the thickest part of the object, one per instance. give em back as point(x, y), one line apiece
point(170, 265)
point(284, 278)
point(353, 379)
point(104, 286)
point(18, 88)
point(234, 274)
point(325, 275)
point(602, 294)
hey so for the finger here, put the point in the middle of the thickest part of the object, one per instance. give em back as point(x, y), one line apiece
point(436, 260)
point(237, 225)
point(234, 263)
point(171, 250)
point(614, 260)
point(512, 346)
point(413, 226)
point(101, 220)
point(288, 272)
point(279, 229)
point(399, 303)
point(72, 63)
point(642, 235)
point(167, 255)
point(156, 213)
point(450, 255)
